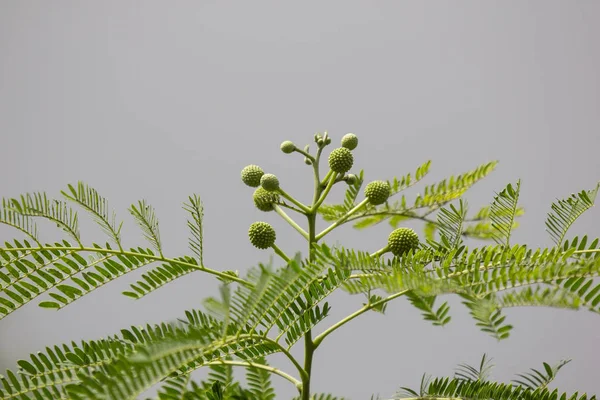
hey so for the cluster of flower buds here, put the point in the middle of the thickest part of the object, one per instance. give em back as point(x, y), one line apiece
point(268, 192)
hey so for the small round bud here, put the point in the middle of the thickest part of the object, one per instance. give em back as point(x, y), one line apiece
point(320, 142)
point(403, 240)
point(269, 182)
point(340, 160)
point(328, 140)
point(350, 141)
point(307, 161)
point(351, 179)
point(263, 199)
point(261, 235)
point(377, 192)
point(251, 175)
point(288, 147)
point(318, 136)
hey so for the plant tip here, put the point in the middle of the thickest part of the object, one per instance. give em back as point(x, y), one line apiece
point(350, 141)
point(288, 147)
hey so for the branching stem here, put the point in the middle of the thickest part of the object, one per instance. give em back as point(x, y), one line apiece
point(134, 254)
point(355, 314)
point(290, 221)
point(272, 370)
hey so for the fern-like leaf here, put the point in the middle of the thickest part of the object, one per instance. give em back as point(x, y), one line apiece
point(438, 317)
point(450, 223)
point(39, 205)
point(565, 212)
point(503, 212)
point(259, 382)
point(470, 373)
point(196, 210)
point(146, 219)
point(488, 315)
point(88, 198)
point(540, 380)
point(161, 275)
point(18, 221)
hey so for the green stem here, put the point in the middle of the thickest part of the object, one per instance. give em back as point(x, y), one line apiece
point(280, 253)
point(324, 193)
point(285, 195)
point(587, 251)
point(272, 370)
point(342, 219)
point(305, 154)
point(134, 254)
point(290, 221)
point(380, 251)
point(326, 179)
point(309, 346)
point(355, 314)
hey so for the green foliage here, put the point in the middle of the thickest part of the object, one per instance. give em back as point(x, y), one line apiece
point(474, 383)
point(89, 198)
point(451, 221)
point(272, 307)
point(146, 219)
point(196, 210)
point(566, 211)
point(438, 317)
point(540, 380)
point(503, 211)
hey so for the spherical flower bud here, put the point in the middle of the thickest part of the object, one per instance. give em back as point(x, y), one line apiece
point(350, 141)
point(341, 160)
point(269, 182)
point(320, 142)
point(251, 175)
point(403, 240)
point(378, 192)
point(328, 140)
point(351, 179)
point(261, 235)
point(263, 199)
point(307, 161)
point(288, 147)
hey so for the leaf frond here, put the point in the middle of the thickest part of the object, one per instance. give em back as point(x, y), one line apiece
point(89, 198)
point(146, 219)
point(566, 211)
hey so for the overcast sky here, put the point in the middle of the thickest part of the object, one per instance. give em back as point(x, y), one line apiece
point(162, 99)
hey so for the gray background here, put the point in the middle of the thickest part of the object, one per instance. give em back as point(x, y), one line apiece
point(163, 99)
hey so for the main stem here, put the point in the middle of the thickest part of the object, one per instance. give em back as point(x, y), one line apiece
point(309, 346)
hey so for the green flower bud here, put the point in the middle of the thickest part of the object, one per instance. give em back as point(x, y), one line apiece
point(350, 141)
point(378, 192)
point(251, 175)
point(327, 140)
point(351, 179)
point(403, 240)
point(340, 160)
point(263, 199)
point(307, 161)
point(269, 182)
point(288, 147)
point(261, 235)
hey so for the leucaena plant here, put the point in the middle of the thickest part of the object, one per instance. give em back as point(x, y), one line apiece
point(275, 307)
